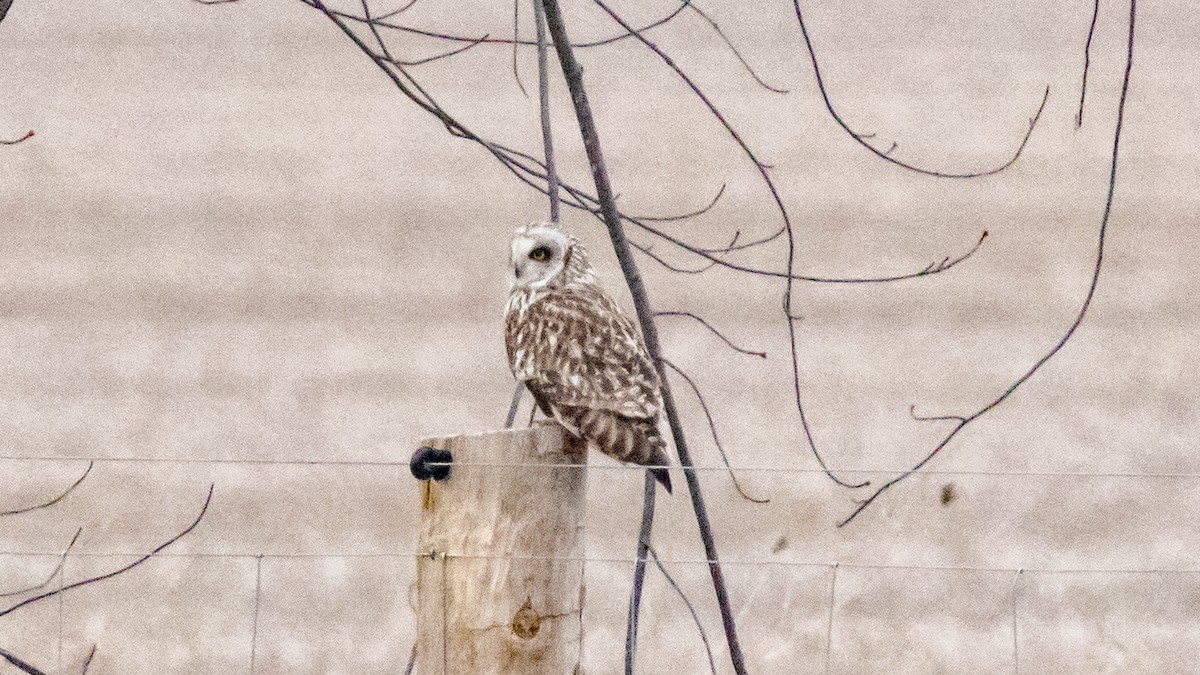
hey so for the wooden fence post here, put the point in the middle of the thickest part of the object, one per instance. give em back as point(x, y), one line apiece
point(500, 558)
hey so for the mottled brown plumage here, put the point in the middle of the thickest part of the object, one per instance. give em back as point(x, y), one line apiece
point(578, 354)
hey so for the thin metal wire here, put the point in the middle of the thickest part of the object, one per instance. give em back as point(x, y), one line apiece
point(606, 466)
point(625, 561)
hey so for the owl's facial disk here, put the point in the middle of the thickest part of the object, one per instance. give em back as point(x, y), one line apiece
point(537, 256)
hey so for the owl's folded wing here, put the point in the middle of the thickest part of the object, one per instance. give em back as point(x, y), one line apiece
point(575, 348)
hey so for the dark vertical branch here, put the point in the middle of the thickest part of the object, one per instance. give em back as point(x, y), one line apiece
point(20, 664)
point(573, 74)
point(712, 664)
point(55, 500)
point(412, 659)
point(639, 572)
point(1087, 62)
point(516, 403)
point(539, 17)
point(516, 44)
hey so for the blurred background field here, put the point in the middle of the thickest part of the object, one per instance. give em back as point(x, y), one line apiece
point(234, 254)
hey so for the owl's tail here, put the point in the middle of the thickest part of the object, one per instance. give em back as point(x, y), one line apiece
point(662, 476)
point(628, 439)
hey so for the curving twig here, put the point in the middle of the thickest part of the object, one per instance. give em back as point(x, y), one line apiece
point(28, 134)
point(683, 216)
point(709, 326)
point(785, 229)
point(401, 10)
point(442, 55)
point(962, 422)
point(760, 166)
point(886, 156)
point(412, 659)
point(912, 411)
point(728, 43)
point(1087, 62)
point(516, 35)
point(55, 500)
point(712, 427)
point(62, 559)
point(121, 570)
point(675, 268)
point(947, 263)
point(712, 664)
point(382, 22)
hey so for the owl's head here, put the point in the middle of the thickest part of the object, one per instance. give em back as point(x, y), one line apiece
point(545, 256)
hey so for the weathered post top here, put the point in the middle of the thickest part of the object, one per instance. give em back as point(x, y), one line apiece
point(500, 557)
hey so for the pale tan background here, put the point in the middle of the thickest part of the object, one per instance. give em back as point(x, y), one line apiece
point(234, 254)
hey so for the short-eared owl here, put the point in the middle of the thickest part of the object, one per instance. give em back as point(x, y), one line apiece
point(578, 354)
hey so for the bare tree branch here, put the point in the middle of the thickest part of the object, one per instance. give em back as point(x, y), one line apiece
point(412, 657)
point(87, 662)
point(382, 22)
point(121, 570)
point(516, 44)
point(785, 229)
point(961, 422)
point(709, 326)
point(401, 10)
point(712, 427)
point(760, 166)
point(539, 18)
point(648, 251)
point(53, 501)
point(944, 265)
point(682, 216)
point(62, 559)
point(28, 134)
point(531, 171)
point(1087, 62)
point(649, 491)
point(573, 73)
point(886, 156)
point(712, 664)
point(443, 55)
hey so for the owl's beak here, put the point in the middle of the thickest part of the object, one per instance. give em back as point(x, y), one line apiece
point(517, 271)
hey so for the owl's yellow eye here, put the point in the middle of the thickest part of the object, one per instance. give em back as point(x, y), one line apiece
point(540, 254)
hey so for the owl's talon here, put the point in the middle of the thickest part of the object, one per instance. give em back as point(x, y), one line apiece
point(430, 463)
